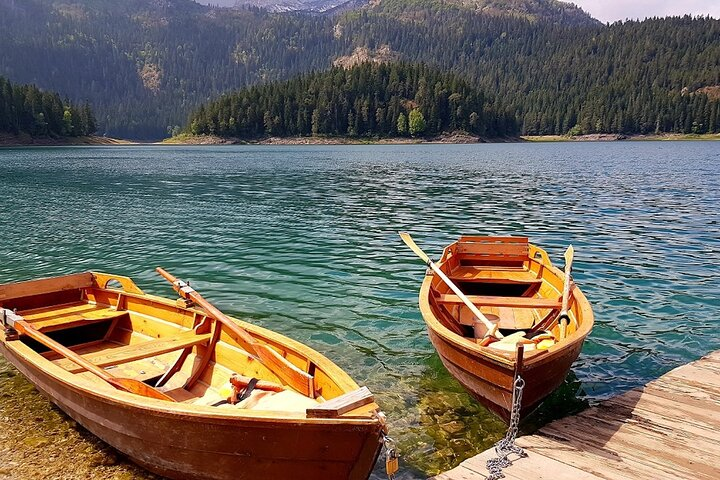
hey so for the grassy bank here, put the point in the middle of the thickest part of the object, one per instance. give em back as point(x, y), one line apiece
point(24, 140)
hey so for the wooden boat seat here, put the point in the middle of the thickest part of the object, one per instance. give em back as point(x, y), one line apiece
point(129, 353)
point(514, 302)
point(482, 274)
point(71, 316)
point(495, 251)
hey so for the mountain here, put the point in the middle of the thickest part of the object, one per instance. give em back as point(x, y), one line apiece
point(313, 6)
point(533, 10)
point(552, 10)
point(144, 65)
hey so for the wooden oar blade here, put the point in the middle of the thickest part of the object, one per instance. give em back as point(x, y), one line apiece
point(138, 388)
point(569, 254)
point(289, 373)
point(413, 246)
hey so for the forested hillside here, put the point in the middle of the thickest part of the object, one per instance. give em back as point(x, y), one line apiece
point(144, 65)
point(24, 109)
point(364, 101)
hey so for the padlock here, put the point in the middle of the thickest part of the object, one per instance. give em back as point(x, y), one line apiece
point(392, 463)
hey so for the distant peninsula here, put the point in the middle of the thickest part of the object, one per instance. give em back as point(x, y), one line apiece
point(399, 101)
point(30, 116)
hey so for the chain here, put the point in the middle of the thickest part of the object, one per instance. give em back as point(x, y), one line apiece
point(506, 447)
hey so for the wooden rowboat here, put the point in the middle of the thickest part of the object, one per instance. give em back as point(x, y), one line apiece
point(152, 377)
point(515, 286)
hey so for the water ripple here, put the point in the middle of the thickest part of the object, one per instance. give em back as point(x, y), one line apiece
point(303, 240)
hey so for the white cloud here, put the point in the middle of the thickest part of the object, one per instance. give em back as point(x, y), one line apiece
point(612, 10)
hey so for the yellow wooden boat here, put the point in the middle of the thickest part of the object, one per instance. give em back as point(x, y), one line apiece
point(182, 389)
point(522, 299)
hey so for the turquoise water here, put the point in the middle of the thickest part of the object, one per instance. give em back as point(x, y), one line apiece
point(303, 240)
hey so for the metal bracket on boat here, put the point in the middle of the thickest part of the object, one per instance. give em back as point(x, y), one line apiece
point(184, 287)
point(8, 319)
point(506, 447)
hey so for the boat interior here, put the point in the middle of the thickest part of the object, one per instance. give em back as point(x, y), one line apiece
point(176, 348)
point(511, 281)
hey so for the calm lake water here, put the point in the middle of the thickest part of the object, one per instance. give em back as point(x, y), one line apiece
point(303, 240)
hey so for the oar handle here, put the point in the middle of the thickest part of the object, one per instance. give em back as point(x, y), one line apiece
point(563, 317)
point(492, 329)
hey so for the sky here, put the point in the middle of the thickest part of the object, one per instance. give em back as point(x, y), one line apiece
point(612, 10)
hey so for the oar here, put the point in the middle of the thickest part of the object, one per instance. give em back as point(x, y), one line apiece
point(292, 375)
point(492, 329)
point(125, 384)
point(564, 318)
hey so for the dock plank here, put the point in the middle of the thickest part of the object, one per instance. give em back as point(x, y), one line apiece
point(668, 429)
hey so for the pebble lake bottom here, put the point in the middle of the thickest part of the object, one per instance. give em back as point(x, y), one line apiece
point(303, 240)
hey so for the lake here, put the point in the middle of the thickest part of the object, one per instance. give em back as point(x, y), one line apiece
point(303, 240)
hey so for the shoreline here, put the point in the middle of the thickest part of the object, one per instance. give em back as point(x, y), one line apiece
point(459, 139)
point(23, 140)
point(9, 141)
point(615, 137)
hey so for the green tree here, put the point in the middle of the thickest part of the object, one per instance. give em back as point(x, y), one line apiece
point(315, 122)
point(67, 122)
point(417, 122)
point(402, 125)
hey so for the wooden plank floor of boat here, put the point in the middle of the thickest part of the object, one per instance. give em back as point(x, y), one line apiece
point(668, 429)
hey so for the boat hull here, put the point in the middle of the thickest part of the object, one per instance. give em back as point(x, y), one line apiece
point(490, 383)
point(183, 446)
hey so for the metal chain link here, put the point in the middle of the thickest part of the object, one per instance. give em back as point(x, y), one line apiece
point(506, 447)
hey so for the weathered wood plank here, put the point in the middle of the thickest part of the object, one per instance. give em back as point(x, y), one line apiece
point(535, 466)
point(668, 429)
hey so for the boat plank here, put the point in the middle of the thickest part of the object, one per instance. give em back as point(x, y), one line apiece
point(481, 274)
point(57, 310)
point(491, 301)
point(129, 353)
point(342, 404)
point(45, 285)
point(76, 320)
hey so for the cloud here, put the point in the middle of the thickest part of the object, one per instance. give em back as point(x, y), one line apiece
point(612, 10)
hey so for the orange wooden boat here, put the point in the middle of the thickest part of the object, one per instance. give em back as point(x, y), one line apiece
point(152, 377)
point(516, 288)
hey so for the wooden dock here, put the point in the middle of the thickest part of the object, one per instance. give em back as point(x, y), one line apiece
point(669, 429)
